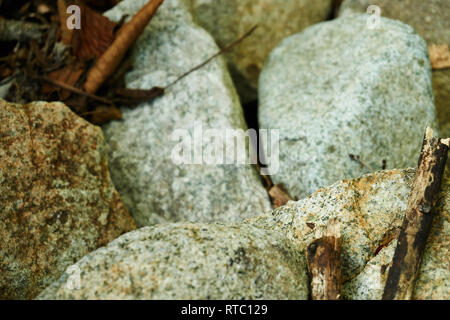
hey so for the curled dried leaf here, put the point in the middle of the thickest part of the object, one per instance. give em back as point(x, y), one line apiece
point(126, 36)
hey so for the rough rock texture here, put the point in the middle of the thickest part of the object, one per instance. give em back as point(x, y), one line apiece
point(370, 211)
point(369, 284)
point(340, 88)
point(152, 186)
point(227, 20)
point(431, 20)
point(57, 201)
point(190, 261)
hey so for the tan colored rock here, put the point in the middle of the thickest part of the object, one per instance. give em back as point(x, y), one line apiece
point(370, 211)
point(227, 20)
point(57, 201)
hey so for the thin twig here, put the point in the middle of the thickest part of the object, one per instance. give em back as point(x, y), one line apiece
point(358, 159)
point(73, 89)
point(227, 48)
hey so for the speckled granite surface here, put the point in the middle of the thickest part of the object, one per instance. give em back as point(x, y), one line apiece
point(57, 201)
point(154, 188)
point(339, 88)
point(190, 261)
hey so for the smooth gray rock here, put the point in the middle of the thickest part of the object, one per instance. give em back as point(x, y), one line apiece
point(189, 261)
point(431, 20)
point(154, 188)
point(340, 88)
point(370, 212)
point(227, 20)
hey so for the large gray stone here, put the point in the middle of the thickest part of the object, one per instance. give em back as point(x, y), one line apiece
point(340, 88)
point(153, 187)
point(227, 20)
point(57, 200)
point(370, 212)
point(431, 20)
point(189, 261)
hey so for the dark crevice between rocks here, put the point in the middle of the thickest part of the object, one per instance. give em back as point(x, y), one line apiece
point(335, 6)
point(251, 118)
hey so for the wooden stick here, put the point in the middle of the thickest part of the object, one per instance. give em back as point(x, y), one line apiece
point(324, 265)
point(125, 38)
point(358, 159)
point(66, 34)
point(73, 89)
point(418, 218)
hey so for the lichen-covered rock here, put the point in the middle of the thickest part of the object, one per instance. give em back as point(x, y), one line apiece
point(370, 211)
point(189, 261)
point(57, 201)
point(431, 20)
point(340, 88)
point(153, 187)
point(227, 20)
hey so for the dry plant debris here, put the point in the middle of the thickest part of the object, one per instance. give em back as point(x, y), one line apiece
point(439, 56)
point(45, 60)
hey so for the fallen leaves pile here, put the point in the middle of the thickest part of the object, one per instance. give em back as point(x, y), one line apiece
point(41, 58)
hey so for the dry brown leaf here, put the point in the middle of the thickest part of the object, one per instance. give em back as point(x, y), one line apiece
point(139, 95)
point(279, 196)
point(94, 37)
point(104, 114)
point(69, 75)
point(439, 56)
point(128, 34)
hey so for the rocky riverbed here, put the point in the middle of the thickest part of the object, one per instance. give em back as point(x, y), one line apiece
point(155, 205)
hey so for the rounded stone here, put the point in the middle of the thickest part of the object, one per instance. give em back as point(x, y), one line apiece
point(189, 261)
